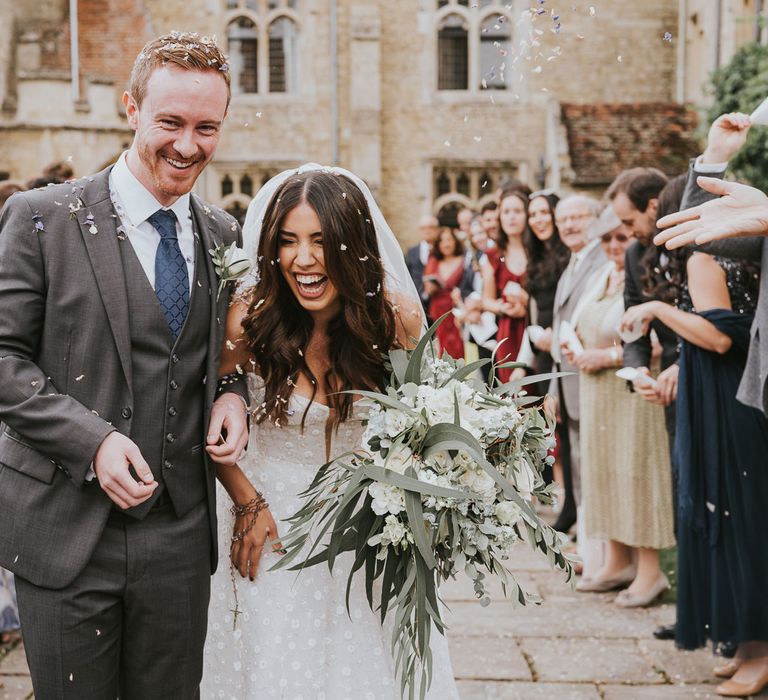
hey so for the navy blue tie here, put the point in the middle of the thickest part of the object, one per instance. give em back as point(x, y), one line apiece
point(171, 276)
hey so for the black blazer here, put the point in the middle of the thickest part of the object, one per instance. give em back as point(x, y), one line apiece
point(638, 353)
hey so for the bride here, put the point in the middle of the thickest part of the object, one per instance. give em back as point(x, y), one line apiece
point(333, 295)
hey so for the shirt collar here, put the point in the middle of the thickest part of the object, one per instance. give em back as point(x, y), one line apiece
point(137, 200)
point(586, 250)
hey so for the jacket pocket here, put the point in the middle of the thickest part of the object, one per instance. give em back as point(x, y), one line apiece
point(17, 455)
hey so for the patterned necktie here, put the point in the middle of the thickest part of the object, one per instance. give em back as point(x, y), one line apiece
point(171, 276)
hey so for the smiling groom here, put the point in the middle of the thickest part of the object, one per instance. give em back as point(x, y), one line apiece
point(110, 337)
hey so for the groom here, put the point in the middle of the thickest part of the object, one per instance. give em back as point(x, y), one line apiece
point(110, 330)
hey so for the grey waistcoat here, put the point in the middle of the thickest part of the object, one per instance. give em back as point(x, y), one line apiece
point(169, 385)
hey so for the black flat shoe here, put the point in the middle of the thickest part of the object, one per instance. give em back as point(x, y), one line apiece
point(664, 632)
point(565, 521)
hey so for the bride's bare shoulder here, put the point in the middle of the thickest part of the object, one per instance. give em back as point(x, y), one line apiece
point(409, 317)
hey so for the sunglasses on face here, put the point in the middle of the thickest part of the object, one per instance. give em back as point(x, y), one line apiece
point(619, 237)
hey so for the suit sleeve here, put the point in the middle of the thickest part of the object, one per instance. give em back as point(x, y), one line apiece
point(54, 424)
point(693, 195)
point(638, 352)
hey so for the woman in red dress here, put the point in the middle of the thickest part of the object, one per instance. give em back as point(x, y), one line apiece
point(504, 278)
point(443, 273)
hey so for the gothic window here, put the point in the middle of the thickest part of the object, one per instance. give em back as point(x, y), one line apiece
point(227, 186)
point(474, 43)
point(452, 54)
point(495, 47)
point(246, 185)
point(462, 184)
point(263, 45)
point(283, 55)
point(442, 184)
point(243, 40)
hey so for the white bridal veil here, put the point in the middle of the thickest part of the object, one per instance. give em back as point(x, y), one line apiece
point(398, 279)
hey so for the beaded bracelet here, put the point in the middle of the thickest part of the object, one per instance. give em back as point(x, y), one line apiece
point(254, 507)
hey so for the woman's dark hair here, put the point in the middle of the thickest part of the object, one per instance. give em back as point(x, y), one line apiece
point(546, 259)
point(458, 246)
point(503, 239)
point(278, 328)
point(662, 278)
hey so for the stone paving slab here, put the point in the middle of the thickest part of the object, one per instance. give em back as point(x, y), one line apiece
point(569, 618)
point(15, 687)
point(680, 666)
point(15, 662)
point(660, 692)
point(488, 658)
point(482, 690)
point(589, 660)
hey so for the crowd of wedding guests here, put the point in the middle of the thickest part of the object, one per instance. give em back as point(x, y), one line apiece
point(654, 448)
point(9, 617)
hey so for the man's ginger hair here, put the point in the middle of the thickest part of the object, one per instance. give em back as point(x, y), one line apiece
point(186, 50)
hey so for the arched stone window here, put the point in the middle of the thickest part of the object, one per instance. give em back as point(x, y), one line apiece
point(474, 43)
point(246, 185)
point(452, 53)
point(495, 47)
point(227, 186)
point(283, 55)
point(243, 43)
point(463, 184)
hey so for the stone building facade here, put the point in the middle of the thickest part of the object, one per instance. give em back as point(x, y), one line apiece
point(432, 102)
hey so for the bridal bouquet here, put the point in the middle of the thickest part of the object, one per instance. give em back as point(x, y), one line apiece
point(441, 484)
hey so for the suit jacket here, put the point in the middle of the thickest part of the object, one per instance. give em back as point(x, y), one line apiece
point(416, 269)
point(63, 306)
point(638, 352)
point(570, 289)
point(753, 390)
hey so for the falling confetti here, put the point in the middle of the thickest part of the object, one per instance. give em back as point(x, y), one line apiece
point(591, 11)
point(667, 36)
point(343, 247)
point(618, 58)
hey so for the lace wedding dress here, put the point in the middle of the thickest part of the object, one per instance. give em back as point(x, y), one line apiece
point(294, 638)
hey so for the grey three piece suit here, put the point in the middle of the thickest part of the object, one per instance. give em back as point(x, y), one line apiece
point(112, 602)
point(570, 289)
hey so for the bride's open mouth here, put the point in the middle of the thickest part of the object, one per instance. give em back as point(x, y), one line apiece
point(311, 286)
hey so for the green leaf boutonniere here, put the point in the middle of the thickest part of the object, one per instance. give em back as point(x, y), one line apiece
point(231, 262)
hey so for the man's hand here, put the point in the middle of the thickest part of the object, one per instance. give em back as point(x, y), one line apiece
point(544, 343)
point(552, 408)
point(116, 454)
point(741, 211)
point(666, 387)
point(726, 137)
point(228, 430)
point(246, 552)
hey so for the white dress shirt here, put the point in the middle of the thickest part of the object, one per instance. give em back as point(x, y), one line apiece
point(134, 204)
point(424, 251)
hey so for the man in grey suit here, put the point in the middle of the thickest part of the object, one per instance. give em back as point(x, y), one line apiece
point(734, 226)
point(416, 257)
point(110, 332)
point(574, 216)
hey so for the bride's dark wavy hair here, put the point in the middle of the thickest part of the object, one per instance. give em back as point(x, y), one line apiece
point(277, 328)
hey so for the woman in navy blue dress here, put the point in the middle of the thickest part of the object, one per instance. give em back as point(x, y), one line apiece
point(722, 456)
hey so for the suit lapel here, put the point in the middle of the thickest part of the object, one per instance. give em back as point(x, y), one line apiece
point(205, 227)
point(98, 226)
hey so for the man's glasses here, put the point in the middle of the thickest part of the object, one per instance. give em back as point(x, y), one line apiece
point(560, 220)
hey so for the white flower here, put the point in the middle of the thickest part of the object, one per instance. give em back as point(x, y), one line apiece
point(386, 498)
point(479, 483)
point(396, 422)
point(524, 478)
point(507, 512)
point(393, 530)
point(399, 459)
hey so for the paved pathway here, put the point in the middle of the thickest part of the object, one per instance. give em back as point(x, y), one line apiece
point(573, 647)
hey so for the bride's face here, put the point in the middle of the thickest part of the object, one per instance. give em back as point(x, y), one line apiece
point(302, 260)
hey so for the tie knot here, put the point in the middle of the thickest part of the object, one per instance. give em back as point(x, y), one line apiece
point(164, 221)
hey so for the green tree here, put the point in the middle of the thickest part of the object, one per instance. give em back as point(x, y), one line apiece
point(740, 86)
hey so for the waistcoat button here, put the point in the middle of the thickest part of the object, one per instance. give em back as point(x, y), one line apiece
point(174, 358)
point(172, 411)
point(126, 413)
point(173, 384)
point(170, 437)
point(167, 465)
